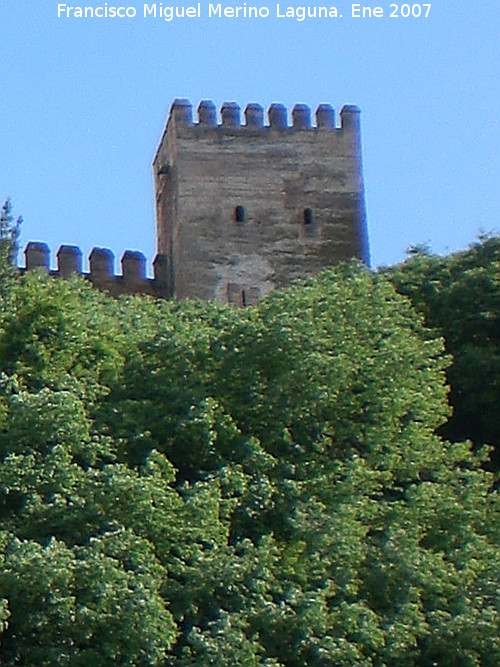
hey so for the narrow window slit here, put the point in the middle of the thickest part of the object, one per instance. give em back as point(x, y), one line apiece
point(308, 216)
point(240, 214)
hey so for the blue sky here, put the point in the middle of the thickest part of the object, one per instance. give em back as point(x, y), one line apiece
point(85, 100)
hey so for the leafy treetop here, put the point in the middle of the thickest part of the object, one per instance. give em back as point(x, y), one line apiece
point(183, 484)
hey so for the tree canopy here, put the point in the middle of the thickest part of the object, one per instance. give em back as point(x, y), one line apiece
point(186, 484)
point(459, 297)
point(10, 228)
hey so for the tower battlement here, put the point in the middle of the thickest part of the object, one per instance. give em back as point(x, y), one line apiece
point(181, 111)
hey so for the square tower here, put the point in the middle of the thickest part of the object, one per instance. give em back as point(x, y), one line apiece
point(245, 208)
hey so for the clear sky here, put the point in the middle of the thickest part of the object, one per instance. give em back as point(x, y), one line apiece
point(84, 102)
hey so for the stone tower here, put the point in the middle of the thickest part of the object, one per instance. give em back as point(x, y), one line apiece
point(245, 208)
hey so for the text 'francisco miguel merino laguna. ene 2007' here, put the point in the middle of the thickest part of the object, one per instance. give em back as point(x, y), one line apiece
point(198, 10)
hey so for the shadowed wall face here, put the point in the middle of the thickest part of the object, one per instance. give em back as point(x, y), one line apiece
point(245, 208)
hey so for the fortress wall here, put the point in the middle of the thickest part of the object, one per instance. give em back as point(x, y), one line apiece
point(101, 273)
point(246, 202)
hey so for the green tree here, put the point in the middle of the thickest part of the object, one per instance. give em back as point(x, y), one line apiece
point(316, 413)
point(184, 484)
point(459, 297)
point(9, 235)
point(10, 229)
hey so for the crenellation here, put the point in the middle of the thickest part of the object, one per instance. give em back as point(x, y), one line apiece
point(69, 260)
point(161, 273)
point(301, 117)
point(37, 256)
point(101, 263)
point(254, 115)
point(325, 117)
point(133, 279)
point(182, 111)
point(230, 114)
point(350, 118)
point(277, 115)
point(133, 266)
point(207, 113)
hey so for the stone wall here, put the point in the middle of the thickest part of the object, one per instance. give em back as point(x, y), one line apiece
point(133, 279)
point(243, 208)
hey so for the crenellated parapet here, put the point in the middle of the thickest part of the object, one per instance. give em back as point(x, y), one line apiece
point(132, 280)
point(181, 112)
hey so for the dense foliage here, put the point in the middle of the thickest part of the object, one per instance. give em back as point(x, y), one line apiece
point(10, 228)
point(459, 297)
point(9, 235)
point(190, 485)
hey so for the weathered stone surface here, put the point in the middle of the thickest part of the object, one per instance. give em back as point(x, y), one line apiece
point(242, 209)
point(132, 279)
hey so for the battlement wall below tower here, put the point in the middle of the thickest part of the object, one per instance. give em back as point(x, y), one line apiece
point(132, 280)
